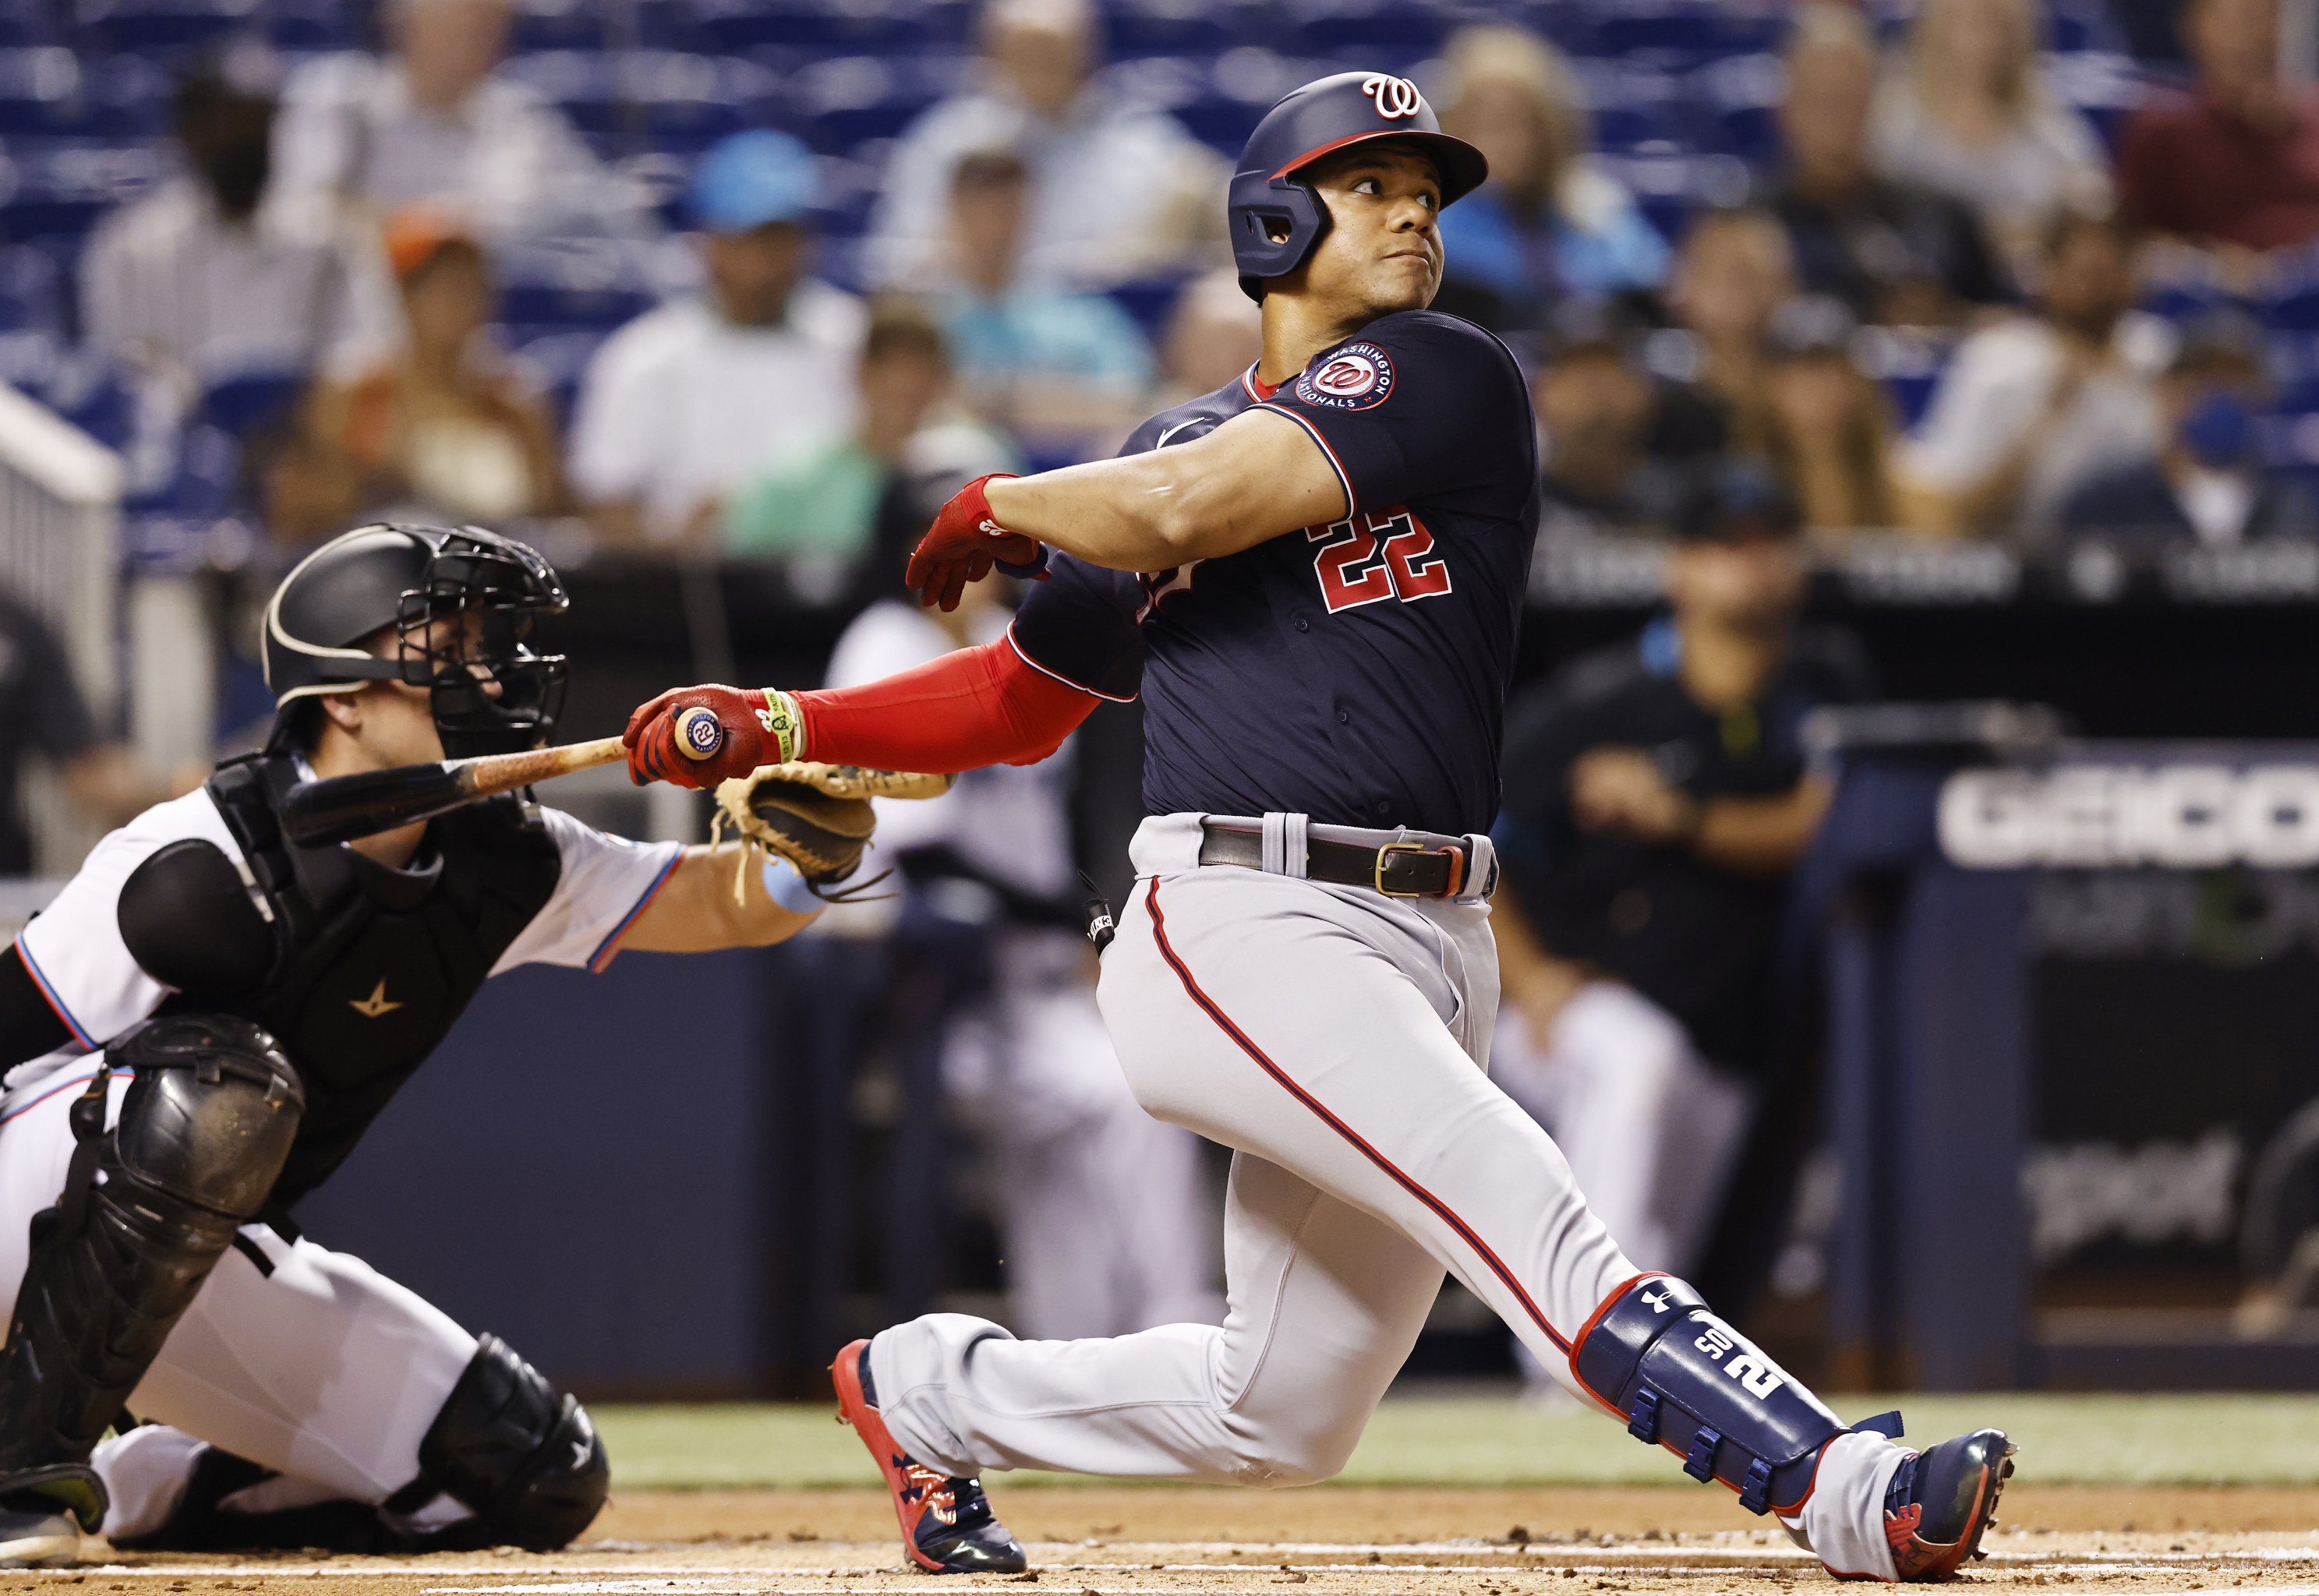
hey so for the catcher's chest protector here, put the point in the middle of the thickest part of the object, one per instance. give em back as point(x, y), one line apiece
point(371, 965)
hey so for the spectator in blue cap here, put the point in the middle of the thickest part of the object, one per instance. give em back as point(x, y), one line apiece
point(688, 402)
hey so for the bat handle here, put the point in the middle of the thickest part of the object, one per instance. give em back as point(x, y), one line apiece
point(699, 734)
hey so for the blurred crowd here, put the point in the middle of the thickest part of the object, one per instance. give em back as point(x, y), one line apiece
point(1943, 299)
point(1929, 307)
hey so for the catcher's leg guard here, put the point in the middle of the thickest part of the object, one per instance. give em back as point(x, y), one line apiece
point(520, 1453)
point(1689, 1382)
point(202, 1132)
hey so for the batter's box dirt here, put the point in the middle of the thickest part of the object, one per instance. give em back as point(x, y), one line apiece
point(1181, 1541)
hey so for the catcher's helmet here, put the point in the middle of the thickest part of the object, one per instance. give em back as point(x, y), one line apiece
point(374, 578)
point(1327, 115)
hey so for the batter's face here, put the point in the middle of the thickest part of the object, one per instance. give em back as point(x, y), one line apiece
point(1383, 250)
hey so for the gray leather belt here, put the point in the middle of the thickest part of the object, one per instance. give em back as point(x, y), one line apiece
point(1397, 863)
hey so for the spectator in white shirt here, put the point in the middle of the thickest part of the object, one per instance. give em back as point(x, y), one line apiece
point(682, 407)
point(2035, 405)
point(433, 124)
point(1118, 188)
point(213, 276)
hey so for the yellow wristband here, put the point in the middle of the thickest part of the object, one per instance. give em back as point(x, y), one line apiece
point(783, 725)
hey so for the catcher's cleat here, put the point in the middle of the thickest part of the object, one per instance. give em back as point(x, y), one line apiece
point(42, 1512)
point(1942, 1501)
point(947, 1524)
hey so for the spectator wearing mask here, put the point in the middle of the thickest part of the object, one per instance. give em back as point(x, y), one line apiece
point(1969, 114)
point(1618, 445)
point(1550, 223)
point(1117, 188)
point(2037, 404)
point(1898, 254)
point(683, 407)
point(2234, 163)
point(1213, 334)
point(1657, 796)
point(2208, 483)
point(446, 430)
point(826, 505)
point(1063, 371)
point(432, 123)
point(211, 276)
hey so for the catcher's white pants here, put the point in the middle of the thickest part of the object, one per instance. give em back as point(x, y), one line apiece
point(316, 1366)
point(1335, 1039)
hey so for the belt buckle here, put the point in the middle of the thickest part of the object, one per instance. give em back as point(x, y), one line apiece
point(1385, 850)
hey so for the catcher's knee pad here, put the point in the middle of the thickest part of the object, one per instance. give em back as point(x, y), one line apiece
point(1689, 1382)
point(520, 1453)
point(203, 1133)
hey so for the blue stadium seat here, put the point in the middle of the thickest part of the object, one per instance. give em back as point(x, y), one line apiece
point(28, 21)
point(1135, 28)
point(585, 85)
point(668, 24)
point(556, 24)
point(1686, 32)
point(1734, 106)
point(848, 100)
point(555, 359)
point(1387, 34)
point(63, 185)
point(250, 402)
point(584, 284)
point(31, 297)
point(172, 26)
point(42, 93)
point(308, 27)
point(679, 102)
point(846, 26)
point(129, 98)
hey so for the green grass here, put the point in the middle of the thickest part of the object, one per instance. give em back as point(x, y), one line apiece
point(1481, 1441)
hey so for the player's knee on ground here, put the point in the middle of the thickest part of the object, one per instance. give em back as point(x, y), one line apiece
point(520, 1455)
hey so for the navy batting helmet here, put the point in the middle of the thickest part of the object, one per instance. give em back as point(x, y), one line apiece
point(1276, 219)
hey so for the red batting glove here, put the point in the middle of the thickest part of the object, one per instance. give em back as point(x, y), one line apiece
point(754, 721)
point(965, 542)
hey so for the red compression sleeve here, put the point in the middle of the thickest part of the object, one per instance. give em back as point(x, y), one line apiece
point(978, 707)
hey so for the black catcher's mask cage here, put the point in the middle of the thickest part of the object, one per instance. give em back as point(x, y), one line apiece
point(485, 591)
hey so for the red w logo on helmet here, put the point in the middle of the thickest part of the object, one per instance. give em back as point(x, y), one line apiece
point(1396, 98)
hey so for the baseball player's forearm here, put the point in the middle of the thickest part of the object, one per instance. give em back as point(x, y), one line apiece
point(1254, 478)
point(699, 912)
point(977, 706)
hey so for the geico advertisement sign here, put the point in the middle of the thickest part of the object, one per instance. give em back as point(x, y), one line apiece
point(2091, 815)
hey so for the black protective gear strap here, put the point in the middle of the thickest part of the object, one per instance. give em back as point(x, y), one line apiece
point(202, 1132)
point(30, 1025)
point(518, 1452)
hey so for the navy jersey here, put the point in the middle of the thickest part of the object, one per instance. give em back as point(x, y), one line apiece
point(1355, 672)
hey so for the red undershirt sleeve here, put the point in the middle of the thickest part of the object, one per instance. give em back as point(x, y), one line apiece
point(978, 707)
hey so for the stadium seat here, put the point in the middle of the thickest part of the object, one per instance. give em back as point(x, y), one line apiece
point(596, 283)
point(31, 295)
point(1388, 33)
point(1688, 32)
point(42, 93)
point(250, 402)
point(129, 98)
point(307, 27)
point(62, 186)
point(556, 24)
point(163, 25)
point(848, 100)
point(825, 26)
point(686, 102)
point(584, 85)
point(1133, 28)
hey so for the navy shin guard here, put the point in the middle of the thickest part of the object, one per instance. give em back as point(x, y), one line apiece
point(1689, 1382)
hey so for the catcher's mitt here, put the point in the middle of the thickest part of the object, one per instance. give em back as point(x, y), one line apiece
point(817, 816)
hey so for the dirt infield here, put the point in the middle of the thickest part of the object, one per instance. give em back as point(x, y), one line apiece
point(1333, 1541)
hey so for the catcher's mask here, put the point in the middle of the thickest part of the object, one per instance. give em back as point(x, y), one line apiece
point(485, 589)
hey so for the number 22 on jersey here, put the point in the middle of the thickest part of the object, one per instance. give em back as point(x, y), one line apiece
point(1380, 555)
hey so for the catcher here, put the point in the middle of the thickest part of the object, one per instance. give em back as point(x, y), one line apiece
point(200, 1026)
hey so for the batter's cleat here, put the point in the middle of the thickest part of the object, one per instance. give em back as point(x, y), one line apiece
point(947, 1524)
point(42, 1512)
point(1942, 1501)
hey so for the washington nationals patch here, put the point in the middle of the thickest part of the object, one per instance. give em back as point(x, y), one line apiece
point(1353, 378)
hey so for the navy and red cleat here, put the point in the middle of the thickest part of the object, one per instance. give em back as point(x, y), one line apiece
point(1942, 1501)
point(947, 1524)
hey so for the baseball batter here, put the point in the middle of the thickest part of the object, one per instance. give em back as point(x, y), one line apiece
point(199, 1029)
point(1314, 577)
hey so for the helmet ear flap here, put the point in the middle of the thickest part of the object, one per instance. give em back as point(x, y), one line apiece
point(1275, 224)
